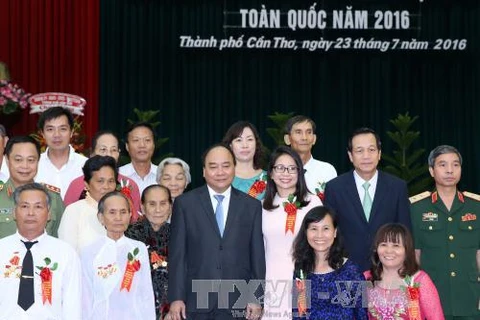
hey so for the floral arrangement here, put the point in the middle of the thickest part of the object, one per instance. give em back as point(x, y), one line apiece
point(412, 290)
point(157, 260)
point(12, 97)
point(46, 275)
point(133, 265)
point(258, 186)
point(291, 206)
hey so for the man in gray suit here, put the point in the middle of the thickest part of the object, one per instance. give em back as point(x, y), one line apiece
point(216, 252)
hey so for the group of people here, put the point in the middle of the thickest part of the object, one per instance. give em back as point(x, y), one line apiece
point(133, 244)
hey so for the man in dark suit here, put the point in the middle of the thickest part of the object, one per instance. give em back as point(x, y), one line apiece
point(366, 198)
point(216, 238)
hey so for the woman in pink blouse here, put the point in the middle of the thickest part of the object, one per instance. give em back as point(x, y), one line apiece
point(399, 289)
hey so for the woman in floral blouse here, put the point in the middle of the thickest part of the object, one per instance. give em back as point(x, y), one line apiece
point(154, 231)
point(399, 290)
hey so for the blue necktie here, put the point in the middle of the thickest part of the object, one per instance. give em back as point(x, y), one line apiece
point(219, 215)
point(367, 201)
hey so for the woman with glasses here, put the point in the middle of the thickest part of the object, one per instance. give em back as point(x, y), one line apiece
point(105, 143)
point(285, 205)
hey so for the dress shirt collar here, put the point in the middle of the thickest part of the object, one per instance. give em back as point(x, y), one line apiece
point(71, 154)
point(226, 193)
point(118, 242)
point(359, 180)
point(39, 238)
point(130, 169)
point(307, 164)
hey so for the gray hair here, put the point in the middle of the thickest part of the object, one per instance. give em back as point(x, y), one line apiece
point(443, 149)
point(183, 164)
point(101, 203)
point(31, 187)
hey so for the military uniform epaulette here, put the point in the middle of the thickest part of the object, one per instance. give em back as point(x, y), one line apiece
point(51, 188)
point(471, 195)
point(419, 196)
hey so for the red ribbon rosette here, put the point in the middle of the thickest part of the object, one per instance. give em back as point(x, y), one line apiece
point(46, 275)
point(258, 186)
point(413, 294)
point(302, 296)
point(133, 265)
point(291, 206)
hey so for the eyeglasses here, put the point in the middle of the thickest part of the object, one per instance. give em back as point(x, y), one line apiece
point(104, 151)
point(281, 169)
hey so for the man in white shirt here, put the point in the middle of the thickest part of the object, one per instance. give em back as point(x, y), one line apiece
point(59, 164)
point(40, 275)
point(140, 145)
point(4, 174)
point(300, 136)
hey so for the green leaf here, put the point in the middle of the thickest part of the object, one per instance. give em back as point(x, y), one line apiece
point(54, 267)
point(47, 261)
point(135, 251)
point(130, 257)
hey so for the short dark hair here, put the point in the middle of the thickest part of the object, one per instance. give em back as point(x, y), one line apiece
point(396, 233)
point(101, 203)
point(364, 130)
point(304, 255)
point(218, 145)
point(54, 113)
point(298, 119)
point(156, 186)
point(34, 186)
point(236, 131)
point(101, 133)
point(443, 149)
point(21, 139)
point(97, 162)
point(136, 125)
point(301, 190)
point(3, 131)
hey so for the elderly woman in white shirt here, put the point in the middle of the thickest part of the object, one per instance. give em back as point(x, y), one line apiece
point(79, 225)
point(174, 173)
point(116, 270)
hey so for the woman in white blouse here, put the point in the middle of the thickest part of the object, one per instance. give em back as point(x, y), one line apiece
point(115, 269)
point(79, 225)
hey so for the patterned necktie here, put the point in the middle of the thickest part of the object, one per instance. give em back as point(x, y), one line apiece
point(26, 292)
point(367, 201)
point(219, 215)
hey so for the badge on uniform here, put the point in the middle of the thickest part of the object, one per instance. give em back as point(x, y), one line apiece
point(469, 217)
point(429, 216)
point(6, 210)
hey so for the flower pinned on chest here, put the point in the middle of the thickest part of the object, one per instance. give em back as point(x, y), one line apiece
point(258, 186)
point(412, 290)
point(320, 191)
point(133, 265)
point(46, 275)
point(290, 207)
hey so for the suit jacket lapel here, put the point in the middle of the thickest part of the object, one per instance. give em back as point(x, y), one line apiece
point(380, 192)
point(208, 209)
point(235, 207)
point(352, 191)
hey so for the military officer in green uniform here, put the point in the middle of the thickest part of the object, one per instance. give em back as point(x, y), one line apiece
point(446, 228)
point(22, 154)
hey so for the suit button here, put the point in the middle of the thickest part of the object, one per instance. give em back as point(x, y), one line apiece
point(450, 237)
point(470, 228)
point(453, 274)
point(219, 268)
point(430, 228)
point(450, 218)
point(8, 219)
point(220, 247)
point(452, 255)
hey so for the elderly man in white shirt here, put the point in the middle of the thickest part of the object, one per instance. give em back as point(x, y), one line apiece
point(40, 276)
point(140, 145)
point(59, 165)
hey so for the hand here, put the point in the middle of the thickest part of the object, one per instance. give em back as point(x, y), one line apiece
point(254, 311)
point(177, 311)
